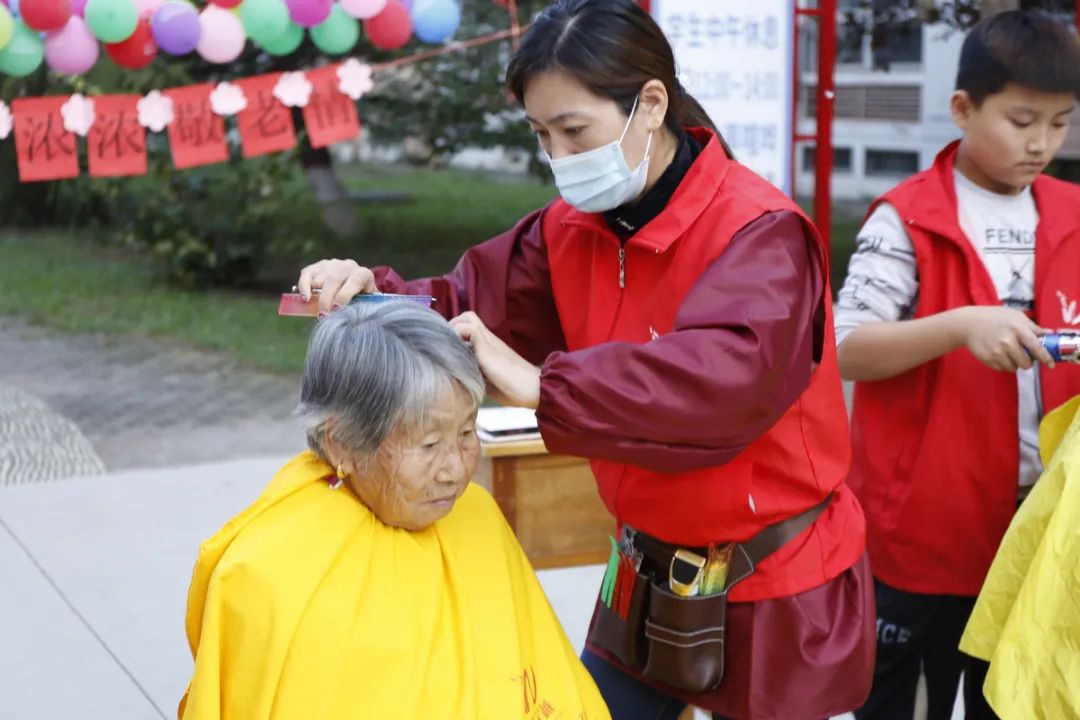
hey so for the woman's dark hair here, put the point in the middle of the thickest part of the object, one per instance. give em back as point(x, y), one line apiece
point(1028, 48)
point(612, 47)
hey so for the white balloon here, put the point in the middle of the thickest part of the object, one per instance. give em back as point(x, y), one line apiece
point(363, 9)
point(222, 38)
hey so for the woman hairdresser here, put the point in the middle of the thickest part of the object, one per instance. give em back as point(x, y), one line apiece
point(669, 318)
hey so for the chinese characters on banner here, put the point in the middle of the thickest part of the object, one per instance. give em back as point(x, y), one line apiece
point(265, 125)
point(43, 148)
point(116, 143)
point(329, 116)
point(735, 58)
point(196, 134)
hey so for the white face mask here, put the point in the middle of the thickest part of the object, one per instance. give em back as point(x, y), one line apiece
point(600, 180)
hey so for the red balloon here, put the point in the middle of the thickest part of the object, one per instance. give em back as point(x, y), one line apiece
point(390, 29)
point(45, 15)
point(227, 4)
point(137, 51)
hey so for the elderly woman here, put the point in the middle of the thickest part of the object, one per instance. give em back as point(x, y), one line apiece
point(371, 579)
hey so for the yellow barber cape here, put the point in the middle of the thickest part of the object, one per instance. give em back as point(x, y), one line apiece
point(306, 607)
point(1026, 621)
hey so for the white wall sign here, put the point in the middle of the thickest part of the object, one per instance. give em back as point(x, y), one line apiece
point(735, 58)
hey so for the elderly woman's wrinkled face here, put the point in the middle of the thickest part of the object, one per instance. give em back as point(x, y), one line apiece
point(417, 476)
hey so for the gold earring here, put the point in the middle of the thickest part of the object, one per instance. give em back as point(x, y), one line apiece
point(339, 480)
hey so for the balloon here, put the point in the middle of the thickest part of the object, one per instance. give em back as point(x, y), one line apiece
point(285, 43)
point(434, 21)
point(309, 13)
point(23, 54)
point(363, 9)
point(147, 8)
point(45, 15)
point(7, 26)
point(226, 3)
point(111, 21)
point(264, 20)
point(78, 7)
point(13, 5)
point(222, 38)
point(137, 51)
point(73, 50)
point(338, 34)
point(391, 29)
point(176, 27)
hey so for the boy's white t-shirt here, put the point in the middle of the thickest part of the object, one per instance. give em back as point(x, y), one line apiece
point(883, 284)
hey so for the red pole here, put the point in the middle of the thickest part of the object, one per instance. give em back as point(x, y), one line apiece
point(826, 96)
point(796, 82)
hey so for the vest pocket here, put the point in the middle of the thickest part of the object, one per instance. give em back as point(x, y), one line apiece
point(685, 639)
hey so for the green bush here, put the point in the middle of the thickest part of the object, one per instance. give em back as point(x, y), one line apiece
point(218, 224)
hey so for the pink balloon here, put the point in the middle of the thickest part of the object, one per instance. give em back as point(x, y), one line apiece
point(146, 8)
point(309, 13)
point(77, 7)
point(71, 50)
point(222, 38)
point(363, 9)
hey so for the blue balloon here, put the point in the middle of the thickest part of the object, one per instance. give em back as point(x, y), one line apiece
point(13, 6)
point(434, 21)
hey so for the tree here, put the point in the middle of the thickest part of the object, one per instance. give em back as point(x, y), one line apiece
point(881, 19)
point(457, 100)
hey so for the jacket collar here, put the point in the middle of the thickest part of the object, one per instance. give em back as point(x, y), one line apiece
point(934, 206)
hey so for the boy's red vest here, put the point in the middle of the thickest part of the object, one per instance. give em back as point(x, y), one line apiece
point(788, 470)
point(936, 449)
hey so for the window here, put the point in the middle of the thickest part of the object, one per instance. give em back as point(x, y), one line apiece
point(891, 163)
point(842, 159)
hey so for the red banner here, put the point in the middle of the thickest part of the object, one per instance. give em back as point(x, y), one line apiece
point(44, 149)
point(266, 126)
point(196, 134)
point(116, 143)
point(330, 116)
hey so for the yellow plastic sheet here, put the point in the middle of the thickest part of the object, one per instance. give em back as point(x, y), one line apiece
point(1026, 621)
point(306, 606)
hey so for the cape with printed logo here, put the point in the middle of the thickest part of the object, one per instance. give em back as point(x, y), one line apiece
point(306, 606)
point(1025, 620)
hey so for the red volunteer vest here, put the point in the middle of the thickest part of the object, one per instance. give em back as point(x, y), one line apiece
point(789, 469)
point(936, 450)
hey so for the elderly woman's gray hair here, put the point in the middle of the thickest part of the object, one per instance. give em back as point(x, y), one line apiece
point(371, 368)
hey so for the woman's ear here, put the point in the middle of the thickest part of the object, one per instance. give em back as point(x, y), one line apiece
point(334, 453)
point(654, 103)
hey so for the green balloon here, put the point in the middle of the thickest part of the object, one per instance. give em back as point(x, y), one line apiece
point(337, 34)
point(7, 26)
point(111, 21)
point(23, 53)
point(264, 20)
point(285, 43)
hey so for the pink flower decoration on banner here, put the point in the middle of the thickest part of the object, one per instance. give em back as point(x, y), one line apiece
point(354, 79)
point(293, 89)
point(78, 114)
point(155, 111)
point(5, 120)
point(227, 99)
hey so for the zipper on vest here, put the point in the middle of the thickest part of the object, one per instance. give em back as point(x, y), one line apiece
point(622, 267)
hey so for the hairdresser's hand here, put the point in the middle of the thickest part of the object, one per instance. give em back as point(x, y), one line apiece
point(337, 281)
point(1002, 338)
point(512, 380)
